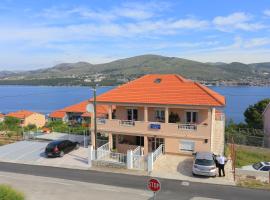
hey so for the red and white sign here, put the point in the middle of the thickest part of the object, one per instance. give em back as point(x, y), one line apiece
point(154, 185)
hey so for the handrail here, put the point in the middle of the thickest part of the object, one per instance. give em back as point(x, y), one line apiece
point(137, 151)
point(158, 152)
point(127, 122)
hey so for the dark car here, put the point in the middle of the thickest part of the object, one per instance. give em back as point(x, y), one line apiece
point(59, 148)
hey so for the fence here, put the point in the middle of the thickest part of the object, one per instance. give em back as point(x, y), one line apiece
point(158, 152)
point(139, 162)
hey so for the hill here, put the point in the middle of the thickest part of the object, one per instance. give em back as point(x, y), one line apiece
point(83, 73)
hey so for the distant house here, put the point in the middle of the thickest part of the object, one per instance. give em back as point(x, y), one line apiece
point(58, 115)
point(28, 117)
point(266, 122)
point(2, 117)
point(77, 114)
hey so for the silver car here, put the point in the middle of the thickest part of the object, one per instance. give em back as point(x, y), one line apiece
point(204, 164)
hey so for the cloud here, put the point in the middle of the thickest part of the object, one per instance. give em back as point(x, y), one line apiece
point(267, 12)
point(257, 42)
point(237, 20)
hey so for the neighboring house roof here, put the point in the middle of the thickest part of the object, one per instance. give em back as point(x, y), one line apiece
point(2, 115)
point(21, 114)
point(58, 114)
point(169, 89)
point(81, 108)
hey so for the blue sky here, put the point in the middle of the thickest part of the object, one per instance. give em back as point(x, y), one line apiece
point(41, 33)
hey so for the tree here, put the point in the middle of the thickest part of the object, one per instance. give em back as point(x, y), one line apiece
point(12, 123)
point(253, 114)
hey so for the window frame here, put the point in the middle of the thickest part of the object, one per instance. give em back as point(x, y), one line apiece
point(192, 116)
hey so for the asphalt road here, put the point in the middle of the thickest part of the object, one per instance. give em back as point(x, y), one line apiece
point(171, 189)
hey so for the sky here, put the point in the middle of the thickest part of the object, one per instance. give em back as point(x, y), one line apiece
point(42, 33)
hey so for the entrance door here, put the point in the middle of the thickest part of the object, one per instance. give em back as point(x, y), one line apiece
point(154, 143)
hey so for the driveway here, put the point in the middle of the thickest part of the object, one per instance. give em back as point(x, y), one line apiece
point(32, 152)
point(180, 168)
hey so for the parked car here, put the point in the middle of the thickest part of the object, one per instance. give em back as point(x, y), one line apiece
point(59, 148)
point(204, 164)
point(260, 166)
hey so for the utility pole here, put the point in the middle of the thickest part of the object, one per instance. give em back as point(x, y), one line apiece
point(95, 115)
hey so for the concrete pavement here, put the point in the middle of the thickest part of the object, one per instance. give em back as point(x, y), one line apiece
point(171, 189)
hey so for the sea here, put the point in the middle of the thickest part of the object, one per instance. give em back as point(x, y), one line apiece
point(46, 99)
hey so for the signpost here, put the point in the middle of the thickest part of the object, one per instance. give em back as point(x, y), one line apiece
point(154, 185)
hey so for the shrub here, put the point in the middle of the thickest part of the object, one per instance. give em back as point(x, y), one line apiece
point(8, 193)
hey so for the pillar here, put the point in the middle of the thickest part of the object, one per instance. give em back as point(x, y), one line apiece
point(90, 155)
point(166, 115)
point(145, 145)
point(110, 112)
point(150, 163)
point(111, 140)
point(145, 113)
point(129, 159)
point(93, 139)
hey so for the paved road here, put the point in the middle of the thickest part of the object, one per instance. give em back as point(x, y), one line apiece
point(171, 189)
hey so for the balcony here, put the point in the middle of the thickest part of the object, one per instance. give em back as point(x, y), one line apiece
point(153, 128)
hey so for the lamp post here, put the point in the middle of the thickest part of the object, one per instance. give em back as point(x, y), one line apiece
point(95, 115)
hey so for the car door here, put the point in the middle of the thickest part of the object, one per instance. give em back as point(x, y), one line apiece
point(69, 146)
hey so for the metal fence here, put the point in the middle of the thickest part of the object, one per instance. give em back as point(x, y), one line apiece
point(158, 152)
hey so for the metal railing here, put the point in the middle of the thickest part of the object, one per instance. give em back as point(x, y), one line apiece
point(127, 122)
point(103, 151)
point(137, 151)
point(139, 162)
point(158, 152)
point(189, 127)
point(101, 121)
point(111, 157)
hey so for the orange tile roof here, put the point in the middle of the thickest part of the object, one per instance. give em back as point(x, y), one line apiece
point(21, 114)
point(81, 108)
point(2, 115)
point(168, 89)
point(58, 114)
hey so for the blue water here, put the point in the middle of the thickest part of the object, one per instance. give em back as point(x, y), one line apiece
point(46, 99)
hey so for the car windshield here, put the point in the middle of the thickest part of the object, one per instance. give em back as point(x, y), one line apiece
point(204, 162)
point(257, 166)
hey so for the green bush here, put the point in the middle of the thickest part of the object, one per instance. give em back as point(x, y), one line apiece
point(8, 193)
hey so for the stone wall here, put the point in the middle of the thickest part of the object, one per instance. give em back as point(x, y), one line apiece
point(218, 137)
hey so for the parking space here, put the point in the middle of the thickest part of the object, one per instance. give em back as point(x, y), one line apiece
point(32, 152)
point(180, 167)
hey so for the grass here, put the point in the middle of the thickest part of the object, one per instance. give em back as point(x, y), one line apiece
point(250, 183)
point(246, 155)
point(8, 193)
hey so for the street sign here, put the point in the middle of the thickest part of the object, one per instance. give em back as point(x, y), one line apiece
point(90, 108)
point(154, 185)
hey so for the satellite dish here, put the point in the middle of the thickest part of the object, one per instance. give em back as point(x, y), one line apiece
point(90, 108)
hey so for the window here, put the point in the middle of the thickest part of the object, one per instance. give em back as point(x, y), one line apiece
point(266, 168)
point(160, 115)
point(132, 114)
point(191, 117)
point(187, 145)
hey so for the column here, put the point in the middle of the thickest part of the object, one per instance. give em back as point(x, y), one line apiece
point(93, 139)
point(90, 155)
point(111, 140)
point(110, 112)
point(145, 145)
point(145, 113)
point(166, 115)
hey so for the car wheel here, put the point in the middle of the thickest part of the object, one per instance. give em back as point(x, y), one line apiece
point(62, 153)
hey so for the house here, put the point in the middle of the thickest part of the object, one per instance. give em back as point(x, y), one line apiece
point(77, 114)
point(163, 109)
point(2, 117)
point(58, 115)
point(28, 117)
point(266, 126)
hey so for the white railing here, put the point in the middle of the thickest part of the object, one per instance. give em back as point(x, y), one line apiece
point(139, 162)
point(103, 151)
point(126, 123)
point(189, 127)
point(158, 152)
point(111, 157)
point(137, 151)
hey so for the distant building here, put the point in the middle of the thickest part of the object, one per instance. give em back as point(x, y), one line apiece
point(28, 117)
point(58, 115)
point(2, 117)
point(77, 114)
point(266, 122)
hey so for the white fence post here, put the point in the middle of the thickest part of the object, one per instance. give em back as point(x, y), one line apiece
point(90, 155)
point(129, 159)
point(150, 162)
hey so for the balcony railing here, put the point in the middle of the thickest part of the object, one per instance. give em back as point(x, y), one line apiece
point(154, 127)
